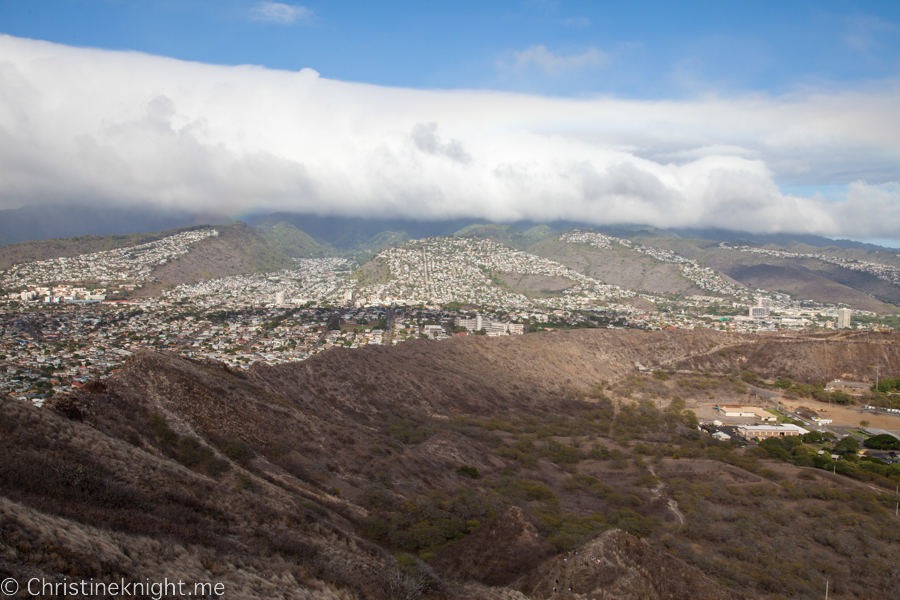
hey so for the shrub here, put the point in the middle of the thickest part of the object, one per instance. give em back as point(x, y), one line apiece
point(804, 460)
point(646, 480)
point(750, 377)
point(888, 385)
point(632, 522)
point(561, 454)
point(236, 449)
point(779, 447)
point(470, 471)
point(842, 398)
point(408, 431)
point(598, 451)
point(162, 431)
point(245, 482)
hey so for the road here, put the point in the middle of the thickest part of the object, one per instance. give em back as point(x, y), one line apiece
point(389, 329)
point(843, 430)
point(322, 337)
point(28, 326)
point(319, 341)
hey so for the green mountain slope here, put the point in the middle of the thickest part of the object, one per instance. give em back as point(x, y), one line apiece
point(539, 232)
point(382, 241)
point(295, 242)
point(502, 234)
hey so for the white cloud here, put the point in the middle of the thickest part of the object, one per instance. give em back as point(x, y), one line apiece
point(553, 63)
point(76, 126)
point(276, 12)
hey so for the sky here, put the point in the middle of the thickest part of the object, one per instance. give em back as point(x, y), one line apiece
point(760, 116)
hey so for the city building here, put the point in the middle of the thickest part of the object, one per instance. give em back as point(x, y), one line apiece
point(767, 431)
point(762, 308)
point(731, 410)
point(843, 320)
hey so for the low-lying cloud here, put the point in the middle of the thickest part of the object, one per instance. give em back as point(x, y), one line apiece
point(124, 129)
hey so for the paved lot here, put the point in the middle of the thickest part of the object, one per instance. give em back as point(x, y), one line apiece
point(843, 430)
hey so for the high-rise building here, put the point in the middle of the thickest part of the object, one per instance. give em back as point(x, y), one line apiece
point(279, 298)
point(467, 323)
point(759, 311)
point(843, 321)
point(762, 308)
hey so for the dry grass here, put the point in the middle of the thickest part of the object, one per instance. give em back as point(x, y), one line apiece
point(318, 452)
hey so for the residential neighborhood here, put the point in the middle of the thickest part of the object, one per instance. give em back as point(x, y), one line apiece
point(67, 320)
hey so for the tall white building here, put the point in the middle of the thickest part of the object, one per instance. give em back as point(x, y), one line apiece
point(490, 327)
point(762, 308)
point(279, 298)
point(759, 311)
point(467, 323)
point(843, 321)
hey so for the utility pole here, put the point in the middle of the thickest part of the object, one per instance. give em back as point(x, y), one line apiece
point(877, 367)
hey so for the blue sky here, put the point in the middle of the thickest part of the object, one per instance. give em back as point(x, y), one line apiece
point(642, 49)
point(762, 116)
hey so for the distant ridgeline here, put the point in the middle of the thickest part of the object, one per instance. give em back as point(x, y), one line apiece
point(669, 265)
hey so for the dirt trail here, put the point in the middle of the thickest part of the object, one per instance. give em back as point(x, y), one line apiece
point(713, 350)
point(673, 506)
point(564, 580)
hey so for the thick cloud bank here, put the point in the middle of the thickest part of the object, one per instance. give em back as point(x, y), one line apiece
point(123, 128)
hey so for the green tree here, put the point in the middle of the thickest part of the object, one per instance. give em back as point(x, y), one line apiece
point(847, 444)
point(882, 442)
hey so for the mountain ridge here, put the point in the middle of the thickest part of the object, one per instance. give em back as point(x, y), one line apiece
point(788, 269)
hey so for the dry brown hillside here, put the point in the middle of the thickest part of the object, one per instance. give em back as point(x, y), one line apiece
point(237, 249)
point(618, 266)
point(469, 468)
point(56, 248)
